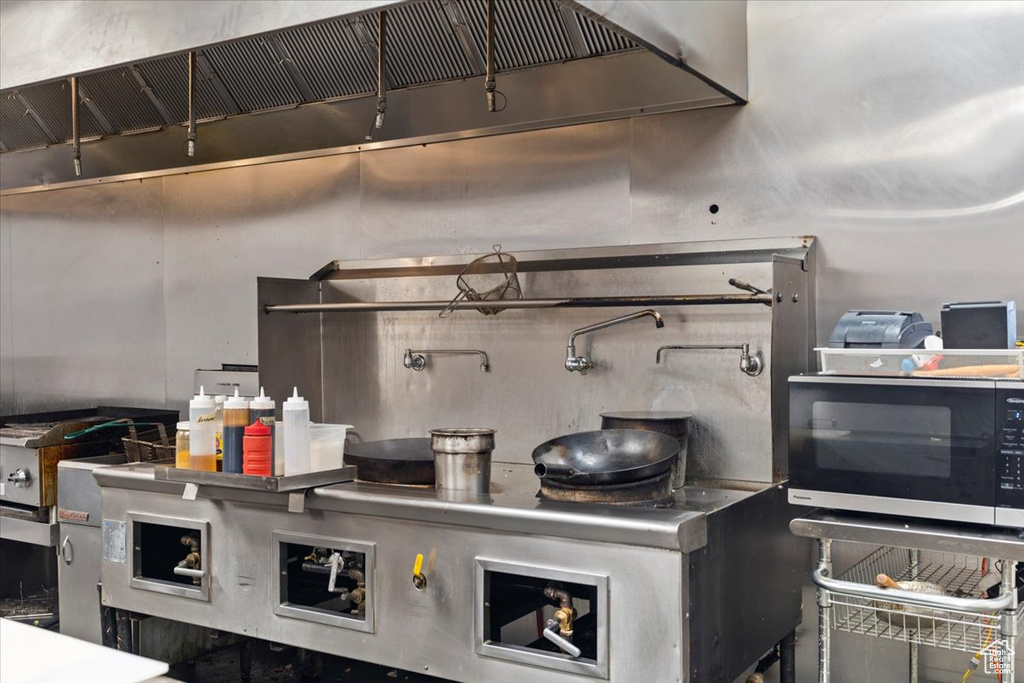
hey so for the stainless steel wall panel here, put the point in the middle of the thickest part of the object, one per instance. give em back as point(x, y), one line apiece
point(290, 350)
point(912, 174)
point(557, 188)
point(86, 320)
point(223, 230)
point(527, 395)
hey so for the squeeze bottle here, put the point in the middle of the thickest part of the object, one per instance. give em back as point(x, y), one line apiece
point(262, 408)
point(202, 436)
point(256, 449)
point(296, 434)
point(236, 419)
point(218, 422)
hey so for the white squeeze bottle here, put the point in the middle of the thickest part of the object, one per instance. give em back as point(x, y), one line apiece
point(296, 434)
point(202, 432)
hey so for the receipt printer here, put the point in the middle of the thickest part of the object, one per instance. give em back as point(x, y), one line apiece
point(879, 330)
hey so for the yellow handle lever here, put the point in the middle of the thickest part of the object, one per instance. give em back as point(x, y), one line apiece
point(418, 565)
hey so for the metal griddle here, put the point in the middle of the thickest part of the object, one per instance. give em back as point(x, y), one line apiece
point(408, 462)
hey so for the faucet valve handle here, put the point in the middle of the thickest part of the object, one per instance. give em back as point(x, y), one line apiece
point(574, 363)
point(413, 361)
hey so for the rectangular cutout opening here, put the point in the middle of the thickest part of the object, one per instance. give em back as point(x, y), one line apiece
point(516, 612)
point(518, 617)
point(328, 581)
point(170, 556)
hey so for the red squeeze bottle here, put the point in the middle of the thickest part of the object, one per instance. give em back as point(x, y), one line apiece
point(256, 450)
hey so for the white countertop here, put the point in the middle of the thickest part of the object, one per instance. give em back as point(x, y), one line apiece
point(34, 655)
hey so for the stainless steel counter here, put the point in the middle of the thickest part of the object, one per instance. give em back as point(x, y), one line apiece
point(512, 506)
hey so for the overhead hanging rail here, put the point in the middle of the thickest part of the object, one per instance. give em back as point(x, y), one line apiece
point(573, 302)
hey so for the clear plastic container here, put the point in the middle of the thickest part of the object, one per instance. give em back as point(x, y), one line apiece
point(181, 447)
point(326, 446)
point(924, 363)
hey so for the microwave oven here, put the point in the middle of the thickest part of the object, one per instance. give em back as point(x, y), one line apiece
point(939, 449)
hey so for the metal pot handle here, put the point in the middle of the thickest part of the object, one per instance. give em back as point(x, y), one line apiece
point(944, 602)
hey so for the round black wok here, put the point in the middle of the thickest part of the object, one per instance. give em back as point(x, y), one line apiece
point(606, 456)
point(394, 461)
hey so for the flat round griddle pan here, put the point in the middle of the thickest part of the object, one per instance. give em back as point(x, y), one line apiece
point(393, 461)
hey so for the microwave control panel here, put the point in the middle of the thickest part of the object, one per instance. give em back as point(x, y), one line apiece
point(1010, 446)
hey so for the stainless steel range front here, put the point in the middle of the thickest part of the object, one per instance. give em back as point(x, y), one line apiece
point(657, 592)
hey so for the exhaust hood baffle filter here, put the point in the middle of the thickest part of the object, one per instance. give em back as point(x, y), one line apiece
point(424, 42)
point(319, 86)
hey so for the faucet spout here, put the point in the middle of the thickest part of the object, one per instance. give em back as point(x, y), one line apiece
point(581, 364)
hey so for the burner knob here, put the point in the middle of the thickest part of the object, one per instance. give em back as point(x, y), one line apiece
point(20, 478)
point(418, 579)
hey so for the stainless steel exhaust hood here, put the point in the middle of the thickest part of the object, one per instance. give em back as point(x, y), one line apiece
point(307, 85)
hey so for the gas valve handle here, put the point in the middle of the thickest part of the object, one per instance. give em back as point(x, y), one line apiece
point(418, 578)
point(551, 633)
point(186, 571)
point(20, 478)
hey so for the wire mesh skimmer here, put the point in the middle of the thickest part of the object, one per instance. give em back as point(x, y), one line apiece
point(491, 277)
